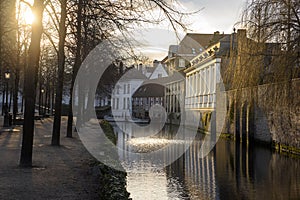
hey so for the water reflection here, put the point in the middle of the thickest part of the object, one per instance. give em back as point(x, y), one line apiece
point(230, 171)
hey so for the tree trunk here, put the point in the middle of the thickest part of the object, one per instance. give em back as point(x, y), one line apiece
point(47, 102)
point(30, 85)
point(52, 102)
point(60, 75)
point(16, 91)
point(75, 68)
point(3, 99)
point(70, 114)
point(10, 98)
point(40, 99)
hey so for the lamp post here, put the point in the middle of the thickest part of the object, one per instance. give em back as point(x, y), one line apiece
point(6, 115)
point(42, 101)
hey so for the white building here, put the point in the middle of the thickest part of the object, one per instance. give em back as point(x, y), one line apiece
point(121, 102)
point(159, 72)
point(204, 75)
point(179, 59)
point(201, 83)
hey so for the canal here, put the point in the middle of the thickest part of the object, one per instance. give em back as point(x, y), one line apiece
point(231, 171)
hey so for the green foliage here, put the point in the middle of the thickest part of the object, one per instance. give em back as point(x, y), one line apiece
point(206, 120)
point(108, 131)
point(282, 148)
point(112, 183)
point(231, 113)
point(227, 136)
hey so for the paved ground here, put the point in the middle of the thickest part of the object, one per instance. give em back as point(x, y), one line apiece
point(60, 172)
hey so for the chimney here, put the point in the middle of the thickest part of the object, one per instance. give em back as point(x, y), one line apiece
point(155, 63)
point(140, 67)
point(232, 40)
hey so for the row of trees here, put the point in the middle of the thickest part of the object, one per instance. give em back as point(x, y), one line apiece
point(47, 54)
point(64, 32)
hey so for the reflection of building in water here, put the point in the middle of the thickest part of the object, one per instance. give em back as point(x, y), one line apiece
point(198, 174)
point(232, 171)
point(256, 173)
point(123, 138)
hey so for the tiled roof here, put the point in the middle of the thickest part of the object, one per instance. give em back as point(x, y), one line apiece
point(196, 41)
point(150, 90)
point(166, 80)
point(133, 74)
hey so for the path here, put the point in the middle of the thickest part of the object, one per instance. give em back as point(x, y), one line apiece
point(60, 172)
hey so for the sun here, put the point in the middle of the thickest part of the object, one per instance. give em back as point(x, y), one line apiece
point(28, 16)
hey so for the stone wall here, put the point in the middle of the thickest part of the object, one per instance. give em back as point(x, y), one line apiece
point(267, 113)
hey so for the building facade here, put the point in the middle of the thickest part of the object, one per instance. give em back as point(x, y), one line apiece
point(121, 101)
point(178, 60)
point(133, 96)
point(151, 93)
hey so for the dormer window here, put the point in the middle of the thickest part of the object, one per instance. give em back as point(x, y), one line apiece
point(181, 63)
point(193, 51)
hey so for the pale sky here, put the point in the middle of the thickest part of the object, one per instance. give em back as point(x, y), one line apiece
point(216, 15)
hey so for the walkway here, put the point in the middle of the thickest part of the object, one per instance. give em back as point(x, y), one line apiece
point(60, 172)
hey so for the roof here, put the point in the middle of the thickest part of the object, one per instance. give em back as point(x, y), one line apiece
point(150, 69)
point(150, 90)
point(133, 74)
point(164, 60)
point(177, 76)
point(195, 43)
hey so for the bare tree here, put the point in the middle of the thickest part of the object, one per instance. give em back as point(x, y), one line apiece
point(104, 20)
point(60, 74)
point(30, 84)
point(277, 22)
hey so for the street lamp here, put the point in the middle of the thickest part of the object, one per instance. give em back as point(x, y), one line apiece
point(42, 101)
point(7, 74)
point(6, 115)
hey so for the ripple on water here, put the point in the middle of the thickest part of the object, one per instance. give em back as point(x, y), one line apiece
point(148, 144)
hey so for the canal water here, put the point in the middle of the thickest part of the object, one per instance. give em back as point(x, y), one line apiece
point(231, 171)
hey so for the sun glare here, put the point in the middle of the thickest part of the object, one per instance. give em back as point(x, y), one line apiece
point(29, 17)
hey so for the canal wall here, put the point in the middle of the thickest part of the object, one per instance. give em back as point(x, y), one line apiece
point(268, 113)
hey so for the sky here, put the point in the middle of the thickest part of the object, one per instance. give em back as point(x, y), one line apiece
point(215, 15)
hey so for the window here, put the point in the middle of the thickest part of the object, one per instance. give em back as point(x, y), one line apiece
point(113, 103)
point(128, 88)
point(159, 75)
point(117, 104)
point(128, 103)
point(124, 88)
point(181, 63)
point(193, 51)
point(118, 89)
point(124, 103)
